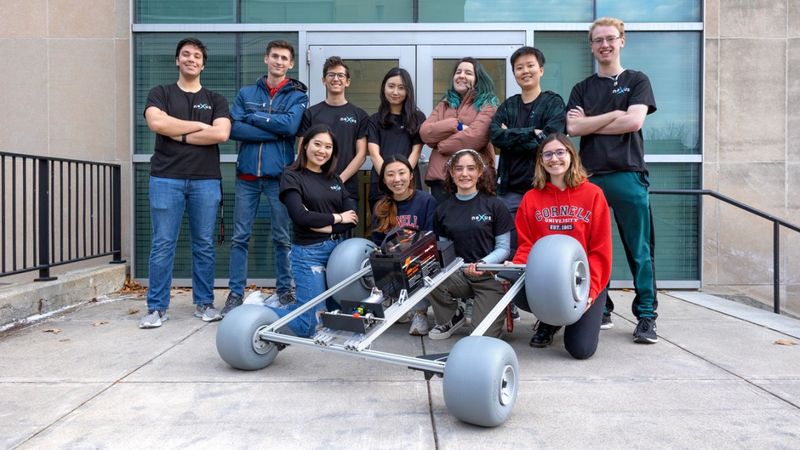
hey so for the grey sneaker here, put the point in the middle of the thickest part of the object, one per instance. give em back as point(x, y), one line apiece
point(233, 301)
point(419, 324)
point(280, 300)
point(447, 330)
point(207, 313)
point(468, 310)
point(153, 319)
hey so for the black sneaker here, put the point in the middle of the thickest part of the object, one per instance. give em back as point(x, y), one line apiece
point(645, 332)
point(447, 330)
point(543, 334)
point(233, 301)
point(606, 324)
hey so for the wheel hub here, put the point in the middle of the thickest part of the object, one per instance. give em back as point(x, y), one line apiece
point(261, 346)
point(508, 385)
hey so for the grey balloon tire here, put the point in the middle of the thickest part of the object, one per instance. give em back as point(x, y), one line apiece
point(237, 341)
point(481, 380)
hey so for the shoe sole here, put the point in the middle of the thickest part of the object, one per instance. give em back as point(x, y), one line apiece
point(644, 340)
point(211, 319)
point(149, 326)
point(450, 332)
point(607, 326)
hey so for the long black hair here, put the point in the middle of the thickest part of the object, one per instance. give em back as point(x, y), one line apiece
point(329, 168)
point(408, 116)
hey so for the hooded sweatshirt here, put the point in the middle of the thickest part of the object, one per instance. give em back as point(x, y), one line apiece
point(580, 212)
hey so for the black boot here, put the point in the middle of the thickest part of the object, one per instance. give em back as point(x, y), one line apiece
point(543, 334)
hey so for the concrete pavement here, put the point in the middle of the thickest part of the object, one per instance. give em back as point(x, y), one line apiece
point(91, 379)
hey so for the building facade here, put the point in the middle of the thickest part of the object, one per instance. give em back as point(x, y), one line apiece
point(720, 72)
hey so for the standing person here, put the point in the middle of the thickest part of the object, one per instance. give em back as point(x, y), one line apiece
point(461, 120)
point(265, 117)
point(321, 211)
point(189, 121)
point(348, 122)
point(521, 124)
point(403, 204)
point(608, 110)
point(394, 129)
point(562, 201)
point(479, 225)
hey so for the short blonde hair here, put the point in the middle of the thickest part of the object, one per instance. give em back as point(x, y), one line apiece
point(608, 21)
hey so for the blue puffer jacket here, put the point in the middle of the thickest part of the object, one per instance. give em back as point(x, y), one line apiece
point(266, 126)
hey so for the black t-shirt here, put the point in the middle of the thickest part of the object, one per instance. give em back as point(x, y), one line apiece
point(472, 224)
point(311, 199)
point(524, 113)
point(393, 140)
point(349, 124)
point(603, 153)
point(173, 159)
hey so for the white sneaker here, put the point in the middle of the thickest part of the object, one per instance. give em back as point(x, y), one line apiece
point(419, 324)
point(254, 298)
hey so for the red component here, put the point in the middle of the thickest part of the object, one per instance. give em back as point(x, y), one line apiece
point(357, 315)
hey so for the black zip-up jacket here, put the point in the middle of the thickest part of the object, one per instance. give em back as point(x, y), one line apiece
point(518, 145)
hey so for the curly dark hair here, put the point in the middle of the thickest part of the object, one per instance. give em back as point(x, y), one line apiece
point(485, 184)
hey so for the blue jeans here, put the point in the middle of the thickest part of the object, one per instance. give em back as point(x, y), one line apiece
point(248, 197)
point(169, 197)
point(308, 267)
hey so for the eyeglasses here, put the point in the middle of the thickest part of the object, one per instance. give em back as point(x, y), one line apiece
point(339, 75)
point(609, 39)
point(559, 153)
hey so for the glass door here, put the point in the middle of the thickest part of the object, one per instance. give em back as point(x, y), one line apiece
point(368, 65)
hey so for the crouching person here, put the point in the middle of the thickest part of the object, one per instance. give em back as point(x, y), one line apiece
point(479, 225)
point(560, 185)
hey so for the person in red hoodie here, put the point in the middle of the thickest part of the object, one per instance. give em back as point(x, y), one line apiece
point(563, 201)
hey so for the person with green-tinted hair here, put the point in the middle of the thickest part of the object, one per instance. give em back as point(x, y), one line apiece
point(460, 120)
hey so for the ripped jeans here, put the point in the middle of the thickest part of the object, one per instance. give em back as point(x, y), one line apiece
point(308, 271)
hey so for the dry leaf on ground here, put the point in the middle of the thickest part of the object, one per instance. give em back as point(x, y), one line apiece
point(52, 330)
point(785, 342)
point(97, 323)
point(132, 311)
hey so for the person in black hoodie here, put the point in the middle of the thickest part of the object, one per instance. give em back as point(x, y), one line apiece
point(521, 124)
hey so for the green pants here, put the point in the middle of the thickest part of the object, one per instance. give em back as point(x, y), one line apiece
point(626, 193)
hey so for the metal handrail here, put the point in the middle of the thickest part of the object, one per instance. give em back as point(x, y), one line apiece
point(776, 224)
point(43, 189)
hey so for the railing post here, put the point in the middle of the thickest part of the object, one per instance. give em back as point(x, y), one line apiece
point(776, 267)
point(116, 214)
point(44, 220)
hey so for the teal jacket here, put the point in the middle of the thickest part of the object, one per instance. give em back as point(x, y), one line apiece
point(517, 146)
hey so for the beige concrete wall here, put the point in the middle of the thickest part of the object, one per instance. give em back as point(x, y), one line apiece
point(66, 83)
point(752, 144)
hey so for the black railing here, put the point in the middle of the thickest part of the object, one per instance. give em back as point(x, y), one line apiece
point(776, 233)
point(57, 211)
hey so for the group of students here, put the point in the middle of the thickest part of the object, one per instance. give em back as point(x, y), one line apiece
point(491, 214)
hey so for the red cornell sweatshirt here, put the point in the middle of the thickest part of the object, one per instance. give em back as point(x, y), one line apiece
point(580, 212)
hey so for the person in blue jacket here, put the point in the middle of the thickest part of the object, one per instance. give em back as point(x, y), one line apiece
point(265, 120)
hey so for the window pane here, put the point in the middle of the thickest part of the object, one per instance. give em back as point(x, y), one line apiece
point(365, 84)
point(224, 73)
point(656, 10)
point(443, 76)
point(505, 11)
point(567, 60)
point(330, 11)
point(185, 11)
point(675, 75)
point(261, 263)
point(254, 47)
point(676, 219)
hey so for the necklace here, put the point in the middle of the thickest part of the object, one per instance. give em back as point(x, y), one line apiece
point(614, 78)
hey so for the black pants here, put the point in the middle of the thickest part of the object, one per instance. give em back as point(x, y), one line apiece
point(581, 337)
